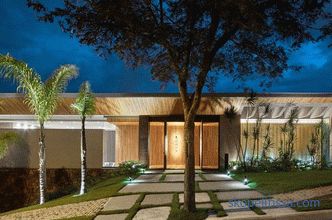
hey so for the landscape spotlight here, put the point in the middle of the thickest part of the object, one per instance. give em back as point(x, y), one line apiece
point(228, 173)
point(245, 180)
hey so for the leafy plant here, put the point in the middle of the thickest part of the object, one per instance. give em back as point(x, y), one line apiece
point(41, 97)
point(131, 167)
point(288, 130)
point(84, 105)
point(6, 139)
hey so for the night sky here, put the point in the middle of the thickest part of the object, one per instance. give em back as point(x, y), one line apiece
point(44, 47)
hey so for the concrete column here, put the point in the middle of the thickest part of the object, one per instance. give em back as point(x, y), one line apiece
point(230, 134)
point(143, 139)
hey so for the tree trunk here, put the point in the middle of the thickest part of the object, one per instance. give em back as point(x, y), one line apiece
point(42, 165)
point(189, 174)
point(83, 158)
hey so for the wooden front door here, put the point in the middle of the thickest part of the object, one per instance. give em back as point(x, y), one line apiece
point(156, 145)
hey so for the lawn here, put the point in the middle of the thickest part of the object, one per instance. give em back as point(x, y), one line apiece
point(101, 189)
point(281, 182)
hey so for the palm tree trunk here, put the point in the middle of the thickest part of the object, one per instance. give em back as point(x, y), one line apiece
point(189, 174)
point(83, 157)
point(42, 164)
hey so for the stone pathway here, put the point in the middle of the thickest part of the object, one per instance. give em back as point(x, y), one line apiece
point(158, 213)
point(120, 203)
point(159, 195)
point(89, 208)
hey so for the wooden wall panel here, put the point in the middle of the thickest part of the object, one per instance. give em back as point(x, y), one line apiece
point(175, 150)
point(156, 145)
point(197, 146)
point(303, 136)
point(126, 142)
point(210, 146)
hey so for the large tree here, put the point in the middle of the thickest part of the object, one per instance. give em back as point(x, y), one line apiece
point(191, 43)
point(84, 105)
point(42, 99)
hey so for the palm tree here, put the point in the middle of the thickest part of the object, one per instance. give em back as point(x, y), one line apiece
point(41, 97)
point(84, 105)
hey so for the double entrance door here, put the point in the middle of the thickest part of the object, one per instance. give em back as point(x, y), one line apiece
point(166, 145)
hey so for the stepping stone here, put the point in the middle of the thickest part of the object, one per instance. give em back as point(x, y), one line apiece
point(199, 197)
point(247, 194)
point(179, 177)
point(158, 213)
point(202, 206)
point(217, 176)
point(148, 178)
point(223, 185)
point(239, 206)
point(241, 214)
point(112, 217)
point(152, 187)
point(157, 199)
point(120, 202)
point(278, 211)
point(174, 171)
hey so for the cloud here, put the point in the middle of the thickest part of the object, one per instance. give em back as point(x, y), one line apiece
point(44, 47)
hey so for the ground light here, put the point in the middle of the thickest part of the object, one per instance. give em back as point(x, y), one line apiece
point(228, 172)
point(245, 180)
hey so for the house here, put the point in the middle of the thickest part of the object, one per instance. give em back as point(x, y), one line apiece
point(149, 128)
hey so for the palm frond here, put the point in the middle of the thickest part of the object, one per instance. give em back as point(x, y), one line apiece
point(85, 102)
point(28, 80)
point(55, 85)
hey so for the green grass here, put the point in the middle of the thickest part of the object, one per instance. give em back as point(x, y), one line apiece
point(101, 189)
point(325, 203)
point(178, 214)
point(281, 182)
point(216, 205)
point(134, 209)
point(162, 178)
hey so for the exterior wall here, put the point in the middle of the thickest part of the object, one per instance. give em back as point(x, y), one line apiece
point(126, 142)
point(230, 132)
point(62, 149)
point(302, 139)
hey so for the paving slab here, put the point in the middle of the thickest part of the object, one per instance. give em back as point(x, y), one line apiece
point(222, 185)
point(179, 177)
point(199, 197)
point(158, 213)
point(202, 206)
point(217, 176)
point(245, 194)
point(157, 199)
point(112, 217)
point(240, 214)
point(148, 178)
point(278, 211)
point(234, 207)
point(120, 202)
point(152, 187)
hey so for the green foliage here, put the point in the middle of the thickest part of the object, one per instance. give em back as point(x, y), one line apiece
point(6, 139)
point(286, 150)
point(41, 97)
point(85, 102)
point(131, 167)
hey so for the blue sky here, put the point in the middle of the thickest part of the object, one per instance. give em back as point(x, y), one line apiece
point(44, 47)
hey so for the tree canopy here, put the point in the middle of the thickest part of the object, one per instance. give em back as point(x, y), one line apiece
point(187, 39)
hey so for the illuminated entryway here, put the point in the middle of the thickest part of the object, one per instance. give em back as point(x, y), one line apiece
point(166, 145)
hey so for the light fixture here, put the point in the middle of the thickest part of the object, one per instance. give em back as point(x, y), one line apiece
point(228, 172)
point(130, 179)
point(235, 167)
point(245, 180)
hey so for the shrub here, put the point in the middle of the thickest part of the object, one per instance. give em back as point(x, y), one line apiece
point(131, 167)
